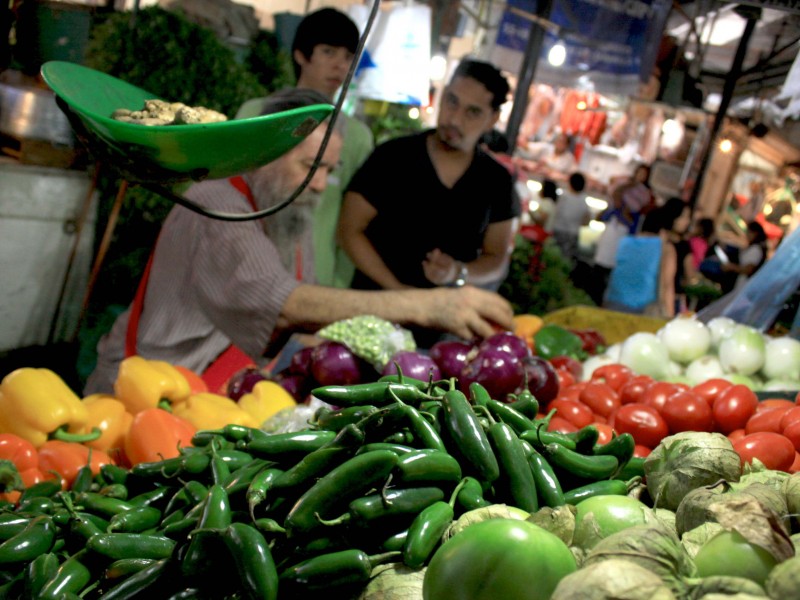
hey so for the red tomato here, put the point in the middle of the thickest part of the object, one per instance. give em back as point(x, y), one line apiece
point(643, 422)
point(733, 407)
point(792, 433)
point(736, 434)
point(573, 393)
point(772, 449)
point(795, 468)
point(615, 375)
point(600, 397)
point(634, 389)
point(605, 431)
point(711, 388)
point(565, 379)
point(600, 419)
point(686, 411)
point(657, 393)
point(640, 451)
point(789, 417)
point(765, 420)
point(562, 425)
point(574, 367)
point(771, 403)
point(573, 411)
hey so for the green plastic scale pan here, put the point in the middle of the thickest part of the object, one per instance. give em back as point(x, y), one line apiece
point(170, 153)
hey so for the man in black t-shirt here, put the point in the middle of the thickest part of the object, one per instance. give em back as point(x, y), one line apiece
point(432, 208)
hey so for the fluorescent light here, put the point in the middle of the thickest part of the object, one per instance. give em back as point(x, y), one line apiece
point(596, 203)
point(438, 67)
point(597, 226)
point(534, 186)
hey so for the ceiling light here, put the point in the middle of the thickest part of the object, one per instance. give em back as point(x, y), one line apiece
point(725, 146)
point(557, 54)
point(413, 113)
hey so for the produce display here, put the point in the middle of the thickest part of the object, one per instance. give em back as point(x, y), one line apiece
point(506, 468)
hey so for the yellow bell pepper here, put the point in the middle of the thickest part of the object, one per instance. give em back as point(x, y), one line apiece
point(212, 411)
point(143, 384)
point(265, 400)
point(111, 417)
point(36, 404)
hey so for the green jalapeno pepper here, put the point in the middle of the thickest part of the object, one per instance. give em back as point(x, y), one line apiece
point(547, 484)
point(253, 558)
point(138, 519)
point(601, 466)
point(509, 415)
point(470, 496)
point(126, 566)
point(427, 467)
point(334, 420)
point(37, 538)
point(335, 490)
point(131, 545)
point(464, 429)
point(322, 460)
point(38, 572)
point(333, 570)
point(515, 485)
point(604, 487)
point(381, 393)
point(427, 529)
point(70, 577)
point(366, 510)
point(287, 446)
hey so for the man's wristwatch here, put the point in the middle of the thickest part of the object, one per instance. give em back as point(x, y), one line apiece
point(461, 277)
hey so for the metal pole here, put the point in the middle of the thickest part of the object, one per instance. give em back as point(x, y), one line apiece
point(752, 14)
point(527, 72)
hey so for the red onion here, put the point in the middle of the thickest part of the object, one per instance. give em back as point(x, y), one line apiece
point(542, 379)
point(413, 364)
point(243, 381)
point(450, 356)
point(300, 362)
point(500, 372)
point(333, 363)
point(507, 341)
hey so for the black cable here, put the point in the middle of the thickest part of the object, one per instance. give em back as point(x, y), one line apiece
point(224, 216)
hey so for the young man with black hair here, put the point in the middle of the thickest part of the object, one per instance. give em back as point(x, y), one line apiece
point(432, 208)
point(323, 49)
point(571, 213)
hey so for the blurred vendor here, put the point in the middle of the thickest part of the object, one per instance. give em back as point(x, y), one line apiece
point(558, 164)
point(219, 294)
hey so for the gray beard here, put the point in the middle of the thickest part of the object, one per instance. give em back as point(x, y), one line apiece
point(290, 227)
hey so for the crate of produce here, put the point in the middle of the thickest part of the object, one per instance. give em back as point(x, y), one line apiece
point(614, 326)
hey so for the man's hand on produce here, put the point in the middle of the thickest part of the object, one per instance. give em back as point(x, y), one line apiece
point(471, 312)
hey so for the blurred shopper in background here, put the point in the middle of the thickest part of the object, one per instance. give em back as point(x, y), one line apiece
point(571, 213)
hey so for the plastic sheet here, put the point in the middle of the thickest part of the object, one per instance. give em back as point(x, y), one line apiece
point(758, 303)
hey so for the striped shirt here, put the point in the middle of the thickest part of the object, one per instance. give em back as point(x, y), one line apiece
point(212, 283)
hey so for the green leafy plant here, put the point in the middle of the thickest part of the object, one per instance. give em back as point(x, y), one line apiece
point(538, 279)
point(180, 61)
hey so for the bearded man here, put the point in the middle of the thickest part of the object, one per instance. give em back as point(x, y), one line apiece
point(216, 291)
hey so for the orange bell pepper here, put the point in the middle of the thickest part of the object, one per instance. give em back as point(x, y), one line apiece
point(196, 383)
point(143, 384)
point(67, 458)
point(155, 435)
point(526, 326)
point(109, 415)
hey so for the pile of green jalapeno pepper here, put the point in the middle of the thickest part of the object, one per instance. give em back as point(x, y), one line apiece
point(376, 477)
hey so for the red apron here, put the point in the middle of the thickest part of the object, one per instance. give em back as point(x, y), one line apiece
point(231, 360)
